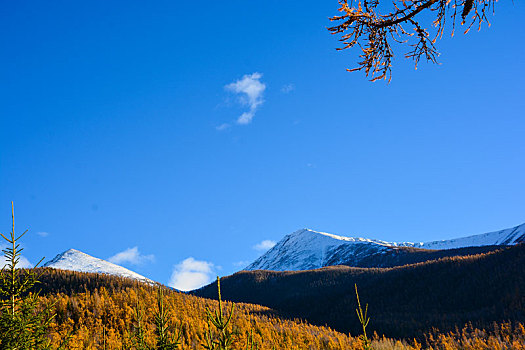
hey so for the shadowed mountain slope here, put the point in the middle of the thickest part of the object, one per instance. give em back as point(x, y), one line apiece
point(403, 301)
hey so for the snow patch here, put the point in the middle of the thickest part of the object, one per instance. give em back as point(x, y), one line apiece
point(75, 260)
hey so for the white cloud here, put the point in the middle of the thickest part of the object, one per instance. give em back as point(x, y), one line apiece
point(43, 234)
point(131, 256)
point(264, 245)
point(222, 127)
point(246, 117)
point(190, 274)
point(251, 89)
point(286, 89)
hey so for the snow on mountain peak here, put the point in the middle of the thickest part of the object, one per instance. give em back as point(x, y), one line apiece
point(347, 239)
point(507, 236)
point(307, 249)
point(75, 260)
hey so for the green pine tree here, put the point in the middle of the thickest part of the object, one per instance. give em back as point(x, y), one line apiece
point(138, 336)
point(250, 343)
point(363, 319)
point(223, 337)
point(165, 339)
point(23, 323)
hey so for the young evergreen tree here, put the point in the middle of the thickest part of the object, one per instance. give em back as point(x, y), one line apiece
point(137, 336)
point(23, 324)
point(363, 319)
point(250, 343)
point(165, 339)
point(224, 338)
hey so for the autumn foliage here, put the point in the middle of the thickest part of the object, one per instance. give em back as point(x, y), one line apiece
point(103, 319)
point(374, 26)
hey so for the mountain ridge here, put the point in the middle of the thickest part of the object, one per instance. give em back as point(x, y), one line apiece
point(307, 249)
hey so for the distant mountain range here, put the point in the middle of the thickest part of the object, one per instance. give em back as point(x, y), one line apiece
point(75, 260)
point(307, 249)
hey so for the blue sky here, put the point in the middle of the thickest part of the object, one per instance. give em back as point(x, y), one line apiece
point(120, 132)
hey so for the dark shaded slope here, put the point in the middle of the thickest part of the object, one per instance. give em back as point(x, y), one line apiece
point(403, 301)
point(399, 256)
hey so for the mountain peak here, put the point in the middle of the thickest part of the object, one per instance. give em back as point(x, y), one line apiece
point(310, 232)
point(308, 249)
point(72, 250)
point(75, 260)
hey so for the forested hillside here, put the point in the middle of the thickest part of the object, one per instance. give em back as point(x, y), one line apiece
point(99, 312)
point(101, 309)
point(403, 301)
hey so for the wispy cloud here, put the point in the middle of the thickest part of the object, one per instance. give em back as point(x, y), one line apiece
point(190, 274)
point(250, 90)
point(131, 256)
point(23, 263)
point(286, 89)
point(242, 263)
point(43, 234)
point(223, 126)
point(264, 245)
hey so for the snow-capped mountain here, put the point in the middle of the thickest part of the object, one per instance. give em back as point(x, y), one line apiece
point(509, 236)
point(75, 260)
point(307, 249)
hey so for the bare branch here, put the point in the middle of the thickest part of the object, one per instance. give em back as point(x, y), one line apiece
point(408, 16)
